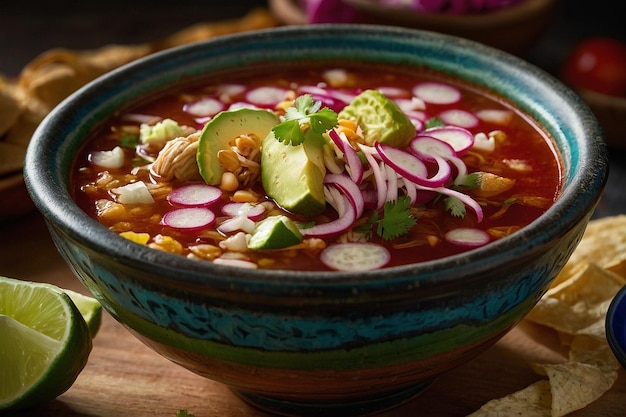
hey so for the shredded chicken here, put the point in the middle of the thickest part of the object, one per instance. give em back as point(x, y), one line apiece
point(177, 159)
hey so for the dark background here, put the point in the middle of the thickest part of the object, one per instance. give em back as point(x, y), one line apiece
point(28, 28)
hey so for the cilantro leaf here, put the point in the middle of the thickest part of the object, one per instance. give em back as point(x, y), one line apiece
point(397, 219)
point(289, 132)
point(433, 122)
point(305, 120)
point(454, 206)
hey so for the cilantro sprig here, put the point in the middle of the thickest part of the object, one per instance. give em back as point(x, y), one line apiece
point(396, 221)
point(306, 120)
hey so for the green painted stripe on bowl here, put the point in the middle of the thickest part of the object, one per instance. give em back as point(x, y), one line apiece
point(373, 355)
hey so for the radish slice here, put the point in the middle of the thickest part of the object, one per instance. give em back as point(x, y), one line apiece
point(355, 166)
point(345, 98)
point(459, 138)
point(206, 106)
point(266, 96)
point(437, 93)
point(411, 167)
point(496, 116)
point(433, 149)
point(468, 237)
point(194, 195)
point(355, 256)
point(192, 218)
point(428, 148)
point(252, 211)
point(394, 92)
point(459, 118)
point(226, 92)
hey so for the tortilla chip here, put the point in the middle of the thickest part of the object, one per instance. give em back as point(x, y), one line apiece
point(575, 385)
point(10, 107)
point(578, 302)
point(533, 401)
point(603, 243)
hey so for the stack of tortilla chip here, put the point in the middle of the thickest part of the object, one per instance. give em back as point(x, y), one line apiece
point(575, 307)
point(55, 74)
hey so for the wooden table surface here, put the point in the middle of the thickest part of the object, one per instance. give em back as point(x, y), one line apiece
point(125, 378)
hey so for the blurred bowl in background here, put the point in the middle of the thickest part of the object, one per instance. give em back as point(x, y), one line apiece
point(611, 113)
point(514, 29)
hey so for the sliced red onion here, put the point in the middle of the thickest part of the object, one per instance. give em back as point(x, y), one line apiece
point(411, 192)
point(345, 98)
point(461, 118)
point(437, 93)
point(459, 138)
point(192, 218)
point(355, 256)
point(392, 184)
point(252, 211)
point(355, 166)
point(411, 167)
point(464, 198)
point(206, 106)
point(350, 190)
point(468, 237)
point(194, 195)
point(381, 186)
point(341, 224)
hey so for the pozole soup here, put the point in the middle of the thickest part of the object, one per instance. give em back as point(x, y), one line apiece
point(339, 168)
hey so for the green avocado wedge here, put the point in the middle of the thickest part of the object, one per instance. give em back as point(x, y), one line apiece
point(293, 175)
point(380, 118)
point(218, 133)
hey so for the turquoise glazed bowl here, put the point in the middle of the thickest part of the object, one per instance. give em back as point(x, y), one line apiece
point(321, 343)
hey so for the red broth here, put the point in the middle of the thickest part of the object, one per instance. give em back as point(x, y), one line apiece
point(522, 155)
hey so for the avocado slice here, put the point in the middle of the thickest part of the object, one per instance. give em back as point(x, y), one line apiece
point(380, 118)
point(222, 129)
point(293, 175)
point(274, 232)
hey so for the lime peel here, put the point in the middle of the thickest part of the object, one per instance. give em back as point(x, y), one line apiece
point(44, 343)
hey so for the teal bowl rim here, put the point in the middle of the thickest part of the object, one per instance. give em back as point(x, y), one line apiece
point(551, 104)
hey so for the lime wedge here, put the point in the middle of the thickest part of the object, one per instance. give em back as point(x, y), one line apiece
point(89, 308)
point(274, 232)
point(380, 119)
point(44, 343)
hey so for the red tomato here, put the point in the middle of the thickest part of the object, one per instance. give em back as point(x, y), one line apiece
point(597, 64)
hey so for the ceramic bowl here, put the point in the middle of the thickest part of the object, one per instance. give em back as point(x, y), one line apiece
point(321, 343)
point(514, 29)
point(616, 326)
